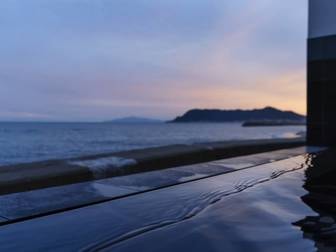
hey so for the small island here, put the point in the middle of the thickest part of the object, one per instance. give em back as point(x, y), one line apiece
point(267, 116)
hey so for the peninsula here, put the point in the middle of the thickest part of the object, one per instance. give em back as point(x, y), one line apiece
point(216, 115)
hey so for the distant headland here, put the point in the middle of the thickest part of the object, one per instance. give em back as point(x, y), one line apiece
point(264, 116)
point(134, 119)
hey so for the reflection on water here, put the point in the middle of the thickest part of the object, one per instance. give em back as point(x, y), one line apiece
point(321, 186)
point(247, 210)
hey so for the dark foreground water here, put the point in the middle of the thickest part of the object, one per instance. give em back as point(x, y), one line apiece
point(287, 205)
point(26, 142)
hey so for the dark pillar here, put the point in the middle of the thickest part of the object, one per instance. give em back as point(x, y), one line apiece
point(321, 129)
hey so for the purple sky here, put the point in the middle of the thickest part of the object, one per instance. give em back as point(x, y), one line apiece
point(84, 60)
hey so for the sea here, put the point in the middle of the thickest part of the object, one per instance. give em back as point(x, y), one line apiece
point(28, 142)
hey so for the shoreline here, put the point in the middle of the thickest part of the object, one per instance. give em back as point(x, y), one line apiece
point(37, 175)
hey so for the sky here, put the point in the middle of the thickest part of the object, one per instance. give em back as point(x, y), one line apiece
point(84, 60)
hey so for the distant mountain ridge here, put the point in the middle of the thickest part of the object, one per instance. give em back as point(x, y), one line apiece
point(217, 115)
point(134, 119)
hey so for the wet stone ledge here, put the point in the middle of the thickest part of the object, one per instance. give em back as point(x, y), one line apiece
point(21, 206)
point(37, 175)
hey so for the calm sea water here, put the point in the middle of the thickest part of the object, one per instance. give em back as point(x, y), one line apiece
point(26, 142)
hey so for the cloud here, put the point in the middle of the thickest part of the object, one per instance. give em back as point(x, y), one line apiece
point(95, 60)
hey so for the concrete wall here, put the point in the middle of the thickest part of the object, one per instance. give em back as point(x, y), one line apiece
point(322, 73)
point(322, 18)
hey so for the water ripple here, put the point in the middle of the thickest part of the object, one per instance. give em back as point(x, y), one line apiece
point(193, 208)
